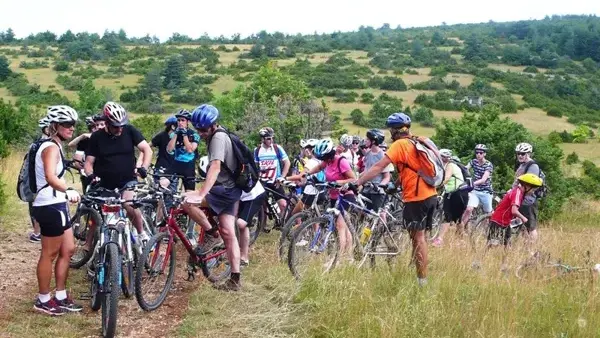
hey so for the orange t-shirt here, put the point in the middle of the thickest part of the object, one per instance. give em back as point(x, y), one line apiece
point(401, 153)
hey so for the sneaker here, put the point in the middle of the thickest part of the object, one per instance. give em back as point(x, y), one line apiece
point(33, 238)
point(437, 243)
point(229, 285)
point(50, 307)
point(68, 305)
point(209, 244)
point(244, 263)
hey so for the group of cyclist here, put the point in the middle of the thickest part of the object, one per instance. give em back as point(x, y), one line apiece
point(108, 154)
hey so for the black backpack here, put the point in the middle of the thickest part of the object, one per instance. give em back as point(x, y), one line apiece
point(246, 174)
point(542, 191)
point(467, 184)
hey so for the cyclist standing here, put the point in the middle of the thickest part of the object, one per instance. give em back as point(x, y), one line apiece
point(372, 155)
point(35, 236)
point(182, 145)
point(529, 207)
point(164, 160)
point(52, 213)
point(111, 158)
point(270, 157)
point(218, 191)
point(420, 199)
point(482, 184)
point(310, 191)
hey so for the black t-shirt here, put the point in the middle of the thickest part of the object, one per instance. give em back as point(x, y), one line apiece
point(160, 141)
point(115, 156)
point(83, 145)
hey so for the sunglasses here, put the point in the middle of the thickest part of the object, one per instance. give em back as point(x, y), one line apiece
point(355, 142)
point(203, 130)
point(521, 154)
point(181, 120)
point(67, 124)
point(267, 138)
point(479, 152)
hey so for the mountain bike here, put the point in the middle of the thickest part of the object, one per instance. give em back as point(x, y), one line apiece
point(540, 266)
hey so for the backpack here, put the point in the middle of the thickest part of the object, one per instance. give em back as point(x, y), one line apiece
point(542, 191)
point(26, 183)
point(277, 153)
point(246, 175)
point(467, 184)
point(431, 168)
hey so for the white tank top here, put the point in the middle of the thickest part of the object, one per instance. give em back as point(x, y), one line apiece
point(47, 195)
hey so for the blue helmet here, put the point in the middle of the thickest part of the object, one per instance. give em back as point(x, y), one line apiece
point(324, 149)
point(397, 120)
point(171, 120)
point(183, 113)
point(204, 116)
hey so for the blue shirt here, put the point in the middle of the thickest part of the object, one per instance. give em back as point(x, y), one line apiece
point(180, 154)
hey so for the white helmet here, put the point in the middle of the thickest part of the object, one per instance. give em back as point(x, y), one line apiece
point(61, 114)
point(323, 149)
point(203, 165)
point(311, 142)
point(346, 140)
point(44, 122)
point(524, 148)
point(302, 143)
point(446, 153)
point(115, 114)
point(481, 147)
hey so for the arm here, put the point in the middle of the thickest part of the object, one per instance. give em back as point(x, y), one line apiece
point(50, 156)
point(286, 167)
point(211, 178)
point(171, 145)
point(349, 174)
point(78, 139)
point(483, 178)
point(374, 170)
point(146, 155)
point(448, 175)
point(88, 167)
point(516, 213)
point(386, 178)
point(190, 147)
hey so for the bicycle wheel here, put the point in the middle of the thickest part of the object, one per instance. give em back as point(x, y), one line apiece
point(386, 246)
point(216, 269)
point(81, 222)
point(127, 285)
point(257, 225)
point(110, 299)
point(313, 248)
point(288, 229)
point(478, 233)
point(151, 268)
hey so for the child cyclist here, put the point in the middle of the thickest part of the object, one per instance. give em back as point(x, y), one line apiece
point(508, 208)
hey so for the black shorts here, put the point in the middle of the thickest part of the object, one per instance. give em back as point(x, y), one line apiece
point(276, 188)
point(248, 209)
point(187, 171)
point(53, 219)
point(223, 200)
point(419, 215)
point(455, 204)
point(376, 201)
point(107, 183)
point(531, 212)
point(498, 232)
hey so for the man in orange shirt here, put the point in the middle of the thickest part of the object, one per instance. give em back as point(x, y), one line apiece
point(419, 198)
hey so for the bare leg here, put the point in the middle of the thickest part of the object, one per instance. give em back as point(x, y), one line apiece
point(227, 230)
point(420, 252)
point(50, 249)
point(61, 269)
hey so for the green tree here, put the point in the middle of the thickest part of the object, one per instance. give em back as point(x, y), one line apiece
point(581, 134)
point(424, 116)
point(174, 73)
point(501, 135)
point(4, 68)
point(572, 158)
point(148, 124)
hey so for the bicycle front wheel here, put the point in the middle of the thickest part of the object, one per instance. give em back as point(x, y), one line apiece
point(313, 248)
point(110, 299)
point(288, 230)
point(153, 279)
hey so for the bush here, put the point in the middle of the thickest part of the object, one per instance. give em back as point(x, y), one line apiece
point(148, 125)
point(572, 158)
point(367, 98)
point(554, 137)
point(61, 66)
point(424, 116)
point(33, 65)
point(566, 136)
point(530, 69)
point(411, 71)
point(69, 82)
point(553, 111)
point(358, 117)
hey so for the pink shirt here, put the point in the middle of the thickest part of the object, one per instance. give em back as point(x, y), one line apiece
point(335, 172)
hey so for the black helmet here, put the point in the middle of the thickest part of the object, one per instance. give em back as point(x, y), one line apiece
point(376, 136)
point(184, 113)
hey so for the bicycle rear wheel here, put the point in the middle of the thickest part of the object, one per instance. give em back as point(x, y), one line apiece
point(288, 229)
point(110, 299)
point(81, 222)
point(127, 282)
point(151, 269)
point(478, 233)
point(313, 248)
point(257, 225)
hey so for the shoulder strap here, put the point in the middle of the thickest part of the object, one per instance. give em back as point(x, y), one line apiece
point(529, 164)
point(256, 150)
point(277, 151)
point(62, 160)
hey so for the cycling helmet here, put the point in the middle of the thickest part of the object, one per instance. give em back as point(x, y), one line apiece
point(98, 117)
point(89, 121)
point(203, 165)
point(383, 146)
point(266, 132)
point(61, 114)
point(363, 144)
point(204, 116)
point(375, 135)
point(171, 120)
point(356, 139)
point(184, 113)
point(481, 147)
point(398, 120)
point(524, 148)
point(446, 153)
point(311, 142)
point(44, 122)
point(324, 149)
point(115, 114)
point(346, 140)
point(531, 179)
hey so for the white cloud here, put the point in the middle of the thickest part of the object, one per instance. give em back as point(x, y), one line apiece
point(193, 18)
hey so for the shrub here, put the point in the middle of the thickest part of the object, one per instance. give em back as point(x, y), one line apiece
point(367, 98)
point(554, 137)
point(61, 66)
point(530, 69)
point(553, 111)
point(572, 158)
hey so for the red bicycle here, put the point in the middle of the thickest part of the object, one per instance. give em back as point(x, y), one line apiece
point(158, 259)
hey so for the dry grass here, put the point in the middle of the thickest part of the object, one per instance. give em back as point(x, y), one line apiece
point(586, 151)
point(5, 94)
point(506, 68)
point(421, 77)
point(128, 80)
point(538, 122)
point(228, 58)
point(224, 83)
point(45, 77)
point(463, 79)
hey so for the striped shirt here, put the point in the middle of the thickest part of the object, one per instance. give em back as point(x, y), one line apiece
point(478, 171)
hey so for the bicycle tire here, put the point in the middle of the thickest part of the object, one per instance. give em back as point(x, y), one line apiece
point(292, 255)
point(261, 220)
point(287, 232)
point(74, 262)
point(110, 310)
point(479, 231)
point(141, 270)
point(127, 279)
point(208, 268)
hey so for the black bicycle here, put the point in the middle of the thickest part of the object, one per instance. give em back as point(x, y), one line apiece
point(270, 210)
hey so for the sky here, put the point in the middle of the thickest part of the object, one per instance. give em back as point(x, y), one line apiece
point(194, 18)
